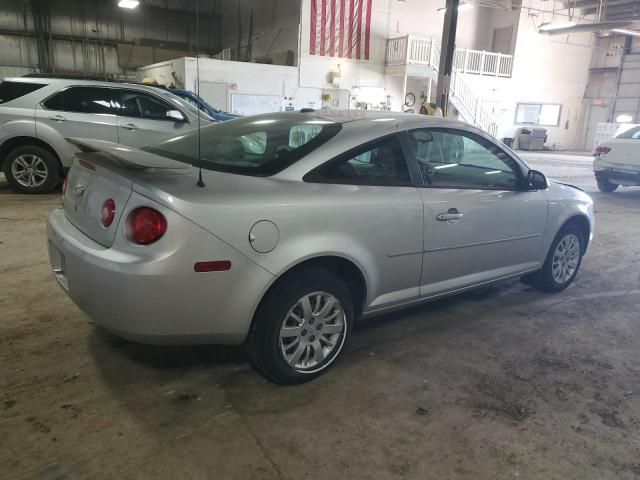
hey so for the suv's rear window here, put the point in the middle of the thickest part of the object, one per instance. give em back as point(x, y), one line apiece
point(12, 90)
point(260, 145)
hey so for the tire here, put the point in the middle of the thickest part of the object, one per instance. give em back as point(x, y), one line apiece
point(31, 169)
point(549, 279)
point(604, 185)
point(268, 349)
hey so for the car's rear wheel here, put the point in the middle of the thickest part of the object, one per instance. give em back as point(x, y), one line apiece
point(562, 263)
point(301, 327)
point(604, 185)
point(31, 169)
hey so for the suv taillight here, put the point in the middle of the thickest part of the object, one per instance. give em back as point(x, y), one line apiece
point(602, 149)
point(108, 212)
point(146, 225)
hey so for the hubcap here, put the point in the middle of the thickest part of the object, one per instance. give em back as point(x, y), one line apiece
point(29, 170)
point(312, 332)
point(565, 258)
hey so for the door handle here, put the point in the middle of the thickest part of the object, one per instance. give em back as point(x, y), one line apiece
point(452, 215)
point(129, 126)
point(57, 118)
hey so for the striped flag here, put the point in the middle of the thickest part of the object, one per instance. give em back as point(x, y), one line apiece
point(340, 28)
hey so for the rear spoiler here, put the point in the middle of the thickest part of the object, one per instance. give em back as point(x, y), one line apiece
point(127, 157)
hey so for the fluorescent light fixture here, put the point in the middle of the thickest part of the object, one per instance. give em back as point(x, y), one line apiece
point(549, 27)
point(624, 31)
point(493, 172)
point(128, 3)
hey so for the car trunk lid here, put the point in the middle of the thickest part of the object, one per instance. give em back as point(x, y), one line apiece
point(102, 171)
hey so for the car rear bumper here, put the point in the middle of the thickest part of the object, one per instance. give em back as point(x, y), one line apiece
point(158, 300)
point(619, 177)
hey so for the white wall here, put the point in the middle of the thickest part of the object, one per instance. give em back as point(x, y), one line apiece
point(547, 69)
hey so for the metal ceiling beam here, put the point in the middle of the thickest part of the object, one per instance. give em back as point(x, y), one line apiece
point(580, 4)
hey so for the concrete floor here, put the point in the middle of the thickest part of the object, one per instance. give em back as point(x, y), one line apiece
point(507, 383)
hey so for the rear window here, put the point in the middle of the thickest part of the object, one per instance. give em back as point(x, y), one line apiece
point(633, 133)
point(260, 145)
point(12, 90)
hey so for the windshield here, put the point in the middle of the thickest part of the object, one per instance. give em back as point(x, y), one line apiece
point(260, 145)
point(191, 101)
point(188, 105)
point(633, 133)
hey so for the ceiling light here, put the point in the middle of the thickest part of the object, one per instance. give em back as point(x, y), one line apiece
point(624, 31)
point(128, 3)
point(549, 27)
point(624, 118)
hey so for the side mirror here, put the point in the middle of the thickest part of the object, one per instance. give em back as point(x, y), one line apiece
point(536, 181)
point(175, 115)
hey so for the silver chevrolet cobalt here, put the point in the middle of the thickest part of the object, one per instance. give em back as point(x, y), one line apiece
point(279, 230)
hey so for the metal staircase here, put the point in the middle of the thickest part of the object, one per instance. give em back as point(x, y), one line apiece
point(410, 50)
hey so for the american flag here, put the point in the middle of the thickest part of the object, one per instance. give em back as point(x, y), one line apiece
point(340, 28)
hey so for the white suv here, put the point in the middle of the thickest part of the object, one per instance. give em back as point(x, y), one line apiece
point(617, 161)
point(38, 114)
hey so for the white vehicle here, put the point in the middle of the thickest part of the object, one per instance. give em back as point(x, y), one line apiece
point(37, 114)
point(618, 161)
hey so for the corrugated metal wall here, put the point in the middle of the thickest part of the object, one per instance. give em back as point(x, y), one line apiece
point(97, 37)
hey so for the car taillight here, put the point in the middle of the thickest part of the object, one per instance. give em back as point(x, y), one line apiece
point(146, 225)
point(64, 185)
point(108, 212)
point(602, 149)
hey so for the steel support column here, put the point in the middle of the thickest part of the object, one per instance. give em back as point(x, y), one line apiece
point(447, 49)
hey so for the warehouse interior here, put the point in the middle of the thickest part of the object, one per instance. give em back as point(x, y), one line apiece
point(493, 378)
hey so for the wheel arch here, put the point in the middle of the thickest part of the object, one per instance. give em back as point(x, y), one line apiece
point(345, 269)
point(26, 140)
point(582, 223)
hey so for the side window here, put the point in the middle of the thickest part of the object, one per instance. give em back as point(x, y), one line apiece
point(140, 105)
point(378, 163)
point(82, 100)
point(458, 159)
point(12, 90)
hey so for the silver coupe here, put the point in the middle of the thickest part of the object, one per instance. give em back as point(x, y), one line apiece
point(279, 230)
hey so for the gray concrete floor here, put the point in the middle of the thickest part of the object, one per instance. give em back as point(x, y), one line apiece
point(507, 383)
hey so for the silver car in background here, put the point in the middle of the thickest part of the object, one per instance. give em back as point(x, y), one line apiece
point(278, 231)
point(37, 114)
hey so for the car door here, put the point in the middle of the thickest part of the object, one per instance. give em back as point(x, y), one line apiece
point(380, 214)
point(480, 222)
point(145, 119)
point(79, 111)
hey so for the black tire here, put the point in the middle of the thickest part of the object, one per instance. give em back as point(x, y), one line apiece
point(604, 185)
point(544, 279)
point(263, 344)
point(47, 169)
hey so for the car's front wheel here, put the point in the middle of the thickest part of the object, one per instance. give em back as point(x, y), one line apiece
point(301, 327)
point(562, 263)
point(604, 185)
point(31, 169)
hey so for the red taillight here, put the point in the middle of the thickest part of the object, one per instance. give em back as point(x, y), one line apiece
point(64, 185)
point(602, 149)
point(146, 225)
point(108, 212)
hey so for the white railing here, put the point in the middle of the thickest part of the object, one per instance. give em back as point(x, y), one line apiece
point(426, 51)
point(423, 51)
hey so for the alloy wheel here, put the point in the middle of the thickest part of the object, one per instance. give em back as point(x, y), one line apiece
point(312, 332)
point(29, 170)
point(565, 258)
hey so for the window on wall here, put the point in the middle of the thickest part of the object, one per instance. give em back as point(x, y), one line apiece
point(545, 114)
